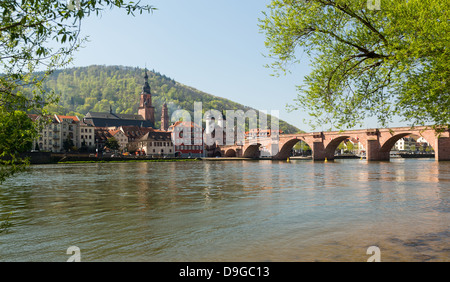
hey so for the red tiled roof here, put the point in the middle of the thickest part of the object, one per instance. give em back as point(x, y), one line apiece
point(183, 124)
point(33, 117)
point(73, 118)
point(114, 132)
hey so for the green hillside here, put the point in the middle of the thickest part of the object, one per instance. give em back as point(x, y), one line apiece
point(99, 88)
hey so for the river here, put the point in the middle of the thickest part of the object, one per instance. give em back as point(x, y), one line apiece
point(223, 211)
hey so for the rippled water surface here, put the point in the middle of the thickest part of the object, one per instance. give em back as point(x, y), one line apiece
point(229, 211)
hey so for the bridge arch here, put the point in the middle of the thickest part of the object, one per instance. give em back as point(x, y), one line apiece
point(252, 151)
point(332, 146)
point(230, 153)
point(387, 146)
point(285, 150)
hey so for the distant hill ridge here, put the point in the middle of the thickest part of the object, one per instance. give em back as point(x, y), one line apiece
point(103, 88)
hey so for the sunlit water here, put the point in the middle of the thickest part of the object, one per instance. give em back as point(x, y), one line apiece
point(229, 211)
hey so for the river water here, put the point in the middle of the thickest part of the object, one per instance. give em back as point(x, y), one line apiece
point(229, 211)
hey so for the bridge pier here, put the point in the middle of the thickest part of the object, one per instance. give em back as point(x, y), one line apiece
point(442, 149)
point(373, 152)
point(318, 151)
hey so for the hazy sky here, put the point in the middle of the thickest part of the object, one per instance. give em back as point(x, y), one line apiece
point(215, 46)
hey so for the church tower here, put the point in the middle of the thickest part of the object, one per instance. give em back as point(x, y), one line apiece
point(146, 110)
point(164, 118)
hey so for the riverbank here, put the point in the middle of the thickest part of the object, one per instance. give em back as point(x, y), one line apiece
point(51, 158)
point(126, 160)
point(37, 158)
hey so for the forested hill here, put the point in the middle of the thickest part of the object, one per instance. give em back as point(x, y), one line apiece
point(97, 88)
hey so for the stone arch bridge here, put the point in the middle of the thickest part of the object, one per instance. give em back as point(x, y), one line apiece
point(377, 143)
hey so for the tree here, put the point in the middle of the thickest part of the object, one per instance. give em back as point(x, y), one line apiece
point(36, 37)
point(68, 144)
point(365, 62)
point(350, 146)
point(112, 144)
point(17, 133)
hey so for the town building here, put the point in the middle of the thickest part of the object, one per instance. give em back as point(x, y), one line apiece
point(405, 144)
point(64, 133)
point(156, 143)
point(188, 139)
point(358, 147)
point(215, 134)
point(121, 138)
point(102, 135)
point(133, 134)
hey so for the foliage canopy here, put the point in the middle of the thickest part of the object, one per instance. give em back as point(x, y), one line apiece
point(365, 62)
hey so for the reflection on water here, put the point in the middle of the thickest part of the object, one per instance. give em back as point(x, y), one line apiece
point(229, 211)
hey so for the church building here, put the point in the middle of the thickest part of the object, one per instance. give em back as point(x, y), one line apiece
point(139, 129)
point(144, 118)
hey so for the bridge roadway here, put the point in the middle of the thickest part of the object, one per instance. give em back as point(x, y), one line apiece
point(376, 142)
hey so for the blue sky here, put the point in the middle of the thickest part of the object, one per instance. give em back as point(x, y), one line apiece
point(213, 45)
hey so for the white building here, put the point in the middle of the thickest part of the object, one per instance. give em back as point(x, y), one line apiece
point(61, 129)
point(405, 143)
point(157, 143)
point(422, 141)
point(121, 138)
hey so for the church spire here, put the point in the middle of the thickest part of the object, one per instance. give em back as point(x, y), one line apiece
point(146, 87)
point(146, 110)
